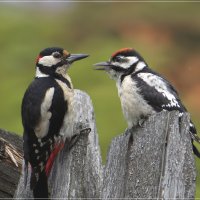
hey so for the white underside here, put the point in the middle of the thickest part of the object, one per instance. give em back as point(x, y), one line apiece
point(68, 123)
point(133, 105)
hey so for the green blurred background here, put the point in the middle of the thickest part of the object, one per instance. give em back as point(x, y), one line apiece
point(166, 34)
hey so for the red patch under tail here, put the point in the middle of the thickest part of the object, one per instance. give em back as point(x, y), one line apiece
point(57, 148)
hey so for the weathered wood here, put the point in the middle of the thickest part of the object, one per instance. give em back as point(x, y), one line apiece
point(154, 161)
point(10, 163)
point(76, 173)
point(82, 166)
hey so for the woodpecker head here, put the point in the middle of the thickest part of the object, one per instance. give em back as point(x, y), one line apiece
point(123, 61)
point(55, 60)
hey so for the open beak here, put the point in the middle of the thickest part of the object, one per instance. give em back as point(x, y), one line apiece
point(102, 65)
point(75, 57)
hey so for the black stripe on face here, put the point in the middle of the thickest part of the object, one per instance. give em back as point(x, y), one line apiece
point(130, 70)
point(64, 80)
point(51, 72)
point(118, 69)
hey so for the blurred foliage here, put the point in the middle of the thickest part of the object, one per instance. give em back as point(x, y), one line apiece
point(166, 34)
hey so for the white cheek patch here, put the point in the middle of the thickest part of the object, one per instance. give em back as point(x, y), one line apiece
point(132, 60)
point(42, 128)
point(48, 61)
point(141, 65)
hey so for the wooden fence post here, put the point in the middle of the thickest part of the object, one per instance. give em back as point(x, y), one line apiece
point(10, 163)
point(152, 161)
point(76, 173)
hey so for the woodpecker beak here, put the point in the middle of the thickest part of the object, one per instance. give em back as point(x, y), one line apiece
point(102, 65)
point(75, 57)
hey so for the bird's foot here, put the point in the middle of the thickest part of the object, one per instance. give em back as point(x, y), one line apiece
point(73, 141)
point(79, 129)
point(141, 121)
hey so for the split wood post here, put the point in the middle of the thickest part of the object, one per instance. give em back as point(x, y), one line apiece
point(76, 173)
point(152, 161)
point(10, 163)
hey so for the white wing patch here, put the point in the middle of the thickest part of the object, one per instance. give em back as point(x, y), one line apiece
point(42, 128)
point(157, 83)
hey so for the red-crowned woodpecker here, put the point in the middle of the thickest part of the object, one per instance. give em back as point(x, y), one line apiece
point(142, 91)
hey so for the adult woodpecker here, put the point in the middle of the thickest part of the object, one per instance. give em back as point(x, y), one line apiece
point(47, 114)
point(142, 91)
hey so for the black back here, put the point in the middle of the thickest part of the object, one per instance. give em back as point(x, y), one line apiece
point(30, 112)
point(155, 99)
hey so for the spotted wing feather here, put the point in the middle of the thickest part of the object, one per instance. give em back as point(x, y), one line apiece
point(157, 92)
point(161, 95)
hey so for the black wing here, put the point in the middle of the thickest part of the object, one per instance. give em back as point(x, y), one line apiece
point(158, 92)
point(37, 151)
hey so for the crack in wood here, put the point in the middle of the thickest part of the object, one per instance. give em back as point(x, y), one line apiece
point(152, 161)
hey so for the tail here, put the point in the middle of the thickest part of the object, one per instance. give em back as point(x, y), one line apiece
point(39, 179)
point(40, 187)
point(195, 150)
point(194, 137)
point(25, 173)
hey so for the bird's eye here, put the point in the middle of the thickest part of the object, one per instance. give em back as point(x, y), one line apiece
point(57, 55)
point(118, 59)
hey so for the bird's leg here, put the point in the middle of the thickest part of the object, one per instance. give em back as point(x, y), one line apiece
point(142, 120)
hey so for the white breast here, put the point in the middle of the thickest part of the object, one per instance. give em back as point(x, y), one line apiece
point(67, 128)
point(133, 105)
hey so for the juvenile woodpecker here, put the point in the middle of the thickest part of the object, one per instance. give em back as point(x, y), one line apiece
point(142, 91)
point(47, 114)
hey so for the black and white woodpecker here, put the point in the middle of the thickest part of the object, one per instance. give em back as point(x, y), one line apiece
point(47, 114)
point(142, 91)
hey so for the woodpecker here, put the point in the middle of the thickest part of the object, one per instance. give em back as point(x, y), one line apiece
point(47, 115)
point(142, 91)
